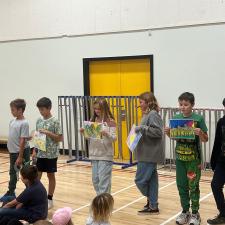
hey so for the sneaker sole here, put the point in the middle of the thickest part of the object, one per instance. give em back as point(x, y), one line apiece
point(199, 223)
point(181, 223)
point(216, 224)
point(147, 213)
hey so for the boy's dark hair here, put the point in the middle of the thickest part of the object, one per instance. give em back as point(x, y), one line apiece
point(18, 104)
point(224, 102)
point(29, 172)
point(187, 96)
point(44, 102)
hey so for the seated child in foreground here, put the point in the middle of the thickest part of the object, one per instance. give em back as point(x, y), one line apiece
point(101, 210)
point(31, 205)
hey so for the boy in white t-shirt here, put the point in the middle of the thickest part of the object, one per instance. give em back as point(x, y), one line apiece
point(18, 147)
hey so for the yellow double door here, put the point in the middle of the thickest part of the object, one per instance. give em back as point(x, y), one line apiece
point(120, 78)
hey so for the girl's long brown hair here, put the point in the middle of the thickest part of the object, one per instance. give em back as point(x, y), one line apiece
point(151, 100)
point(102, 207)
point(106, 114)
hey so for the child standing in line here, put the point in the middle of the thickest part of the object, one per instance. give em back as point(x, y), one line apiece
point(19, 150)
point(101, 150)
point(31, 204)
point(149, 152)
point(218, 166)
point(188, 161)
point(47, 160)
point(101, 210)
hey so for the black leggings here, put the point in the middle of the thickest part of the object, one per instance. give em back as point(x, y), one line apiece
point(217, 184)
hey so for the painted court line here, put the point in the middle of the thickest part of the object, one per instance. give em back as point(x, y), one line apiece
point(123, 177)
point(121, 190)
point(82, 207)
point(74, 171)
point(173, 217)
point(83, 172)
point(142, 197)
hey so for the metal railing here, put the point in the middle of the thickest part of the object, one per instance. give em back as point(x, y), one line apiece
point(73, 110)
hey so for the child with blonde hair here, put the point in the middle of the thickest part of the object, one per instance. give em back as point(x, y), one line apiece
point(101, 150)
point(101, 210)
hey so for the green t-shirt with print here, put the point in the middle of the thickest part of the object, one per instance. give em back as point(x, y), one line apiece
point(186, 149)
point(52, 148)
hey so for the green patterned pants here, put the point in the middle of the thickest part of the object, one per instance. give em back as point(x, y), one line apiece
point(188, 175)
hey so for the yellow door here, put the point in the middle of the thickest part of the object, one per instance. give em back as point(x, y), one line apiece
point(119, 78)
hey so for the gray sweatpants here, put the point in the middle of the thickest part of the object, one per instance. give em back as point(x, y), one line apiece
point(102, 175)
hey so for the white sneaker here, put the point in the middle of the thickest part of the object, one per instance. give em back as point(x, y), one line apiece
point(183, 218)
point(24, 222)
point(195, 219)
point(50, 204)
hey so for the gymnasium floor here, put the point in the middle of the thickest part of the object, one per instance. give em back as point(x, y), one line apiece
point(74, 189)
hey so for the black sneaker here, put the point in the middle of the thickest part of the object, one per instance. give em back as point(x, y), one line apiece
point(148, 211)
point(217, 220)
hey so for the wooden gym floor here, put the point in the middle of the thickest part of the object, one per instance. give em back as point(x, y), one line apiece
point(74, 189)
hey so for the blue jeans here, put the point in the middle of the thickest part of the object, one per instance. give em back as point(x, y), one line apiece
point(13, 213)
point(147, 181)
point(102, 175)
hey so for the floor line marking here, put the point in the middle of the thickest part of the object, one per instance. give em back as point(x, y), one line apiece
point(83, 172)
point(142, 197)
point(173, 217)
point(121, 190)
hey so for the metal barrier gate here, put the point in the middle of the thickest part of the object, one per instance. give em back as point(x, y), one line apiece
point(73, 110)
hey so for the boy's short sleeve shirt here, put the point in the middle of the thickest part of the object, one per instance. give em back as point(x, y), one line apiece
point(52, 147)
point(17, 129)
point(188, 150)
point(34, 199)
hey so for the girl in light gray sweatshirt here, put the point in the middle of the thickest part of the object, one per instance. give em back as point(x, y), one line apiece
point(101, 150)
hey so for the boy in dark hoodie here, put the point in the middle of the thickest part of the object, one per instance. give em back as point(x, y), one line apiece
point(218, 166)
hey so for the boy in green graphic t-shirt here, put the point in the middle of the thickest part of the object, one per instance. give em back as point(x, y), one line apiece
point(188, 161)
